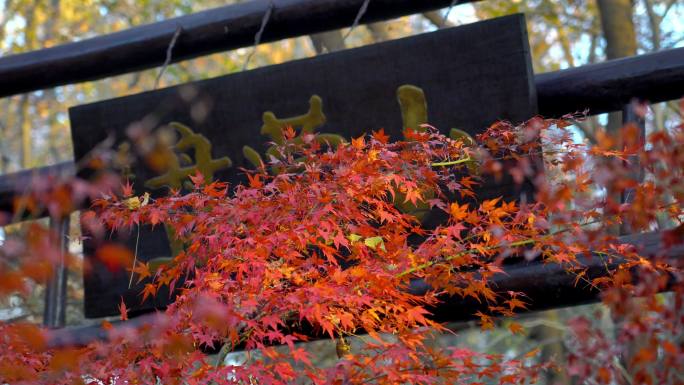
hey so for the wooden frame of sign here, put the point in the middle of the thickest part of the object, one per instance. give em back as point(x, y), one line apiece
point(465, 77)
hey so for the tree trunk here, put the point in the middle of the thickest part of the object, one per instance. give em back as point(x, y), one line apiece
point(618, 30)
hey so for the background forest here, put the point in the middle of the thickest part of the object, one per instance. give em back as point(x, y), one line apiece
point(34, 127)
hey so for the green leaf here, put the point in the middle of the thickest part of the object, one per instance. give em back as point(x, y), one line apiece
point(373, 242)
point(463, 136)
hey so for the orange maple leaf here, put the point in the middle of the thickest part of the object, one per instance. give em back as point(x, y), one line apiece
point(458, 212)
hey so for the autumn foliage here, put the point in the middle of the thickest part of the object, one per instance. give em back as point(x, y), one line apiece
point(322, 250)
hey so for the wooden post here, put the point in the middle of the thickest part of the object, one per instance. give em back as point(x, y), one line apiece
point(54, 314)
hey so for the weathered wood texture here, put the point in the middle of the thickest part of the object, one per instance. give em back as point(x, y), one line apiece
point(547, 286)
point(202, 33)
point(608, 86)
point(358, 88)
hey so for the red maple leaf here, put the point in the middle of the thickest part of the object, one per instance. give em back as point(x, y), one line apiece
point(123, 310)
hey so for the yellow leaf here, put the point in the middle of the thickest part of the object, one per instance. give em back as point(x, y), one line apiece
point(132, 203)
point(354, 238)
point(135, 203)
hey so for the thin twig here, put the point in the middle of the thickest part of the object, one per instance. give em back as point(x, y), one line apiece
point(448, 11)
point(135, 257)
point(451, 163)
point(257, 37)
point(523, 242)
point(169, 52)
point(359, 15)
point(425, 265)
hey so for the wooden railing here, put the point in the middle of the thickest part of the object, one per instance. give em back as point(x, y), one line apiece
point(202, 33)
point(547, 286)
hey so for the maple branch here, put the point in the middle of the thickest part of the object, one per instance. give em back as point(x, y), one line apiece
point(523, 242)
point(466, 252)
point(135, 256)
point(451, 163)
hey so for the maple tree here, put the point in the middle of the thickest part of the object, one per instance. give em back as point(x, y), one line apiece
point(322, 249)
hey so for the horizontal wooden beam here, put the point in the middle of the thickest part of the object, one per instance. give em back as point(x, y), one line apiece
point(546, 286)
point(608, 86)
point(550, 286)
point(220, 29)
point(601, 87)
point(15, 181)
point(18, 184)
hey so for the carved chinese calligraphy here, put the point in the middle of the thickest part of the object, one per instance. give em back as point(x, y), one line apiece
point(204, 163)
point(307, 123)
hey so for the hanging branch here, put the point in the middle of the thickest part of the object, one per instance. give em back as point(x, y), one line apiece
point(359, 15)
point(169, 52)
point(257, 37)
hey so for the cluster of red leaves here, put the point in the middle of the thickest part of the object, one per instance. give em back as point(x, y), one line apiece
point(323, 247)
point(645, 347)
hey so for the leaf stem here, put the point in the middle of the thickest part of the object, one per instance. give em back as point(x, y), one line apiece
point(464, 252)
point(451, 163)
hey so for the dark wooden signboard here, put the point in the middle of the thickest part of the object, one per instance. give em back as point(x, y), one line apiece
point(465, 77)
